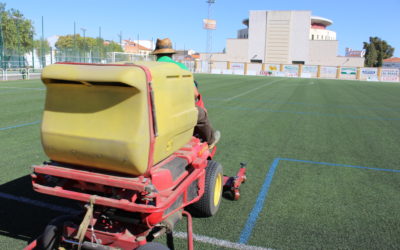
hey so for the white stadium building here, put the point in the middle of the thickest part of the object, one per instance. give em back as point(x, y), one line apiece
point(285, 37)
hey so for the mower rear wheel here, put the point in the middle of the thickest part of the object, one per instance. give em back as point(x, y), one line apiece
point(209, 203)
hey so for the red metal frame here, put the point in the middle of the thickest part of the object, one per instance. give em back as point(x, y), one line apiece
point(137, 192)
point(100, 182)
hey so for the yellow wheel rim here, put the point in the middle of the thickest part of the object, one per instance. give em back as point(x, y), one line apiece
point(217, 189)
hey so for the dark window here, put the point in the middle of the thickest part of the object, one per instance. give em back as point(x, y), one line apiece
point(298, 62)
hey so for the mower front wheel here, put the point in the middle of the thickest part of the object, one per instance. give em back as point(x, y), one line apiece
point(209, 203)
point(51, 236)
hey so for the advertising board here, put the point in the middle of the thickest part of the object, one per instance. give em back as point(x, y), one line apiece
point(270, 69)
point(209, 24)
point(390, 75)
point(328, 72)
point(348, 73)
point(309, 71)
point(369, 74)
point(291, 70)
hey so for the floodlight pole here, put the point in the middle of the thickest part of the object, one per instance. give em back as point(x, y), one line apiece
point(84, 44)
point(2, 45)
point(16, 20)
point(33, 49)
point(99, 46)
point(75, 50)
point(41, 46)
point(209, 35)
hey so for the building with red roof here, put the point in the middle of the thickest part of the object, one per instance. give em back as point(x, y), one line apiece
point(393, 62)
point(135, 48)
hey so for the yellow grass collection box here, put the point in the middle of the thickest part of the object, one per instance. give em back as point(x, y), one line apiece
point(100, 116)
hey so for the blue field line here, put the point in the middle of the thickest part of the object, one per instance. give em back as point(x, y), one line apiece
point(302, 113)
point(262, 195)
point(349, 107)
point(20, 125)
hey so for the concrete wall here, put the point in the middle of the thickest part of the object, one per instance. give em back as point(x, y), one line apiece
point(237, 50)
point(257, 35)
point(299, 36)
point(349, 61)
point(214, 57)
point(324, 52)
point(278, 37)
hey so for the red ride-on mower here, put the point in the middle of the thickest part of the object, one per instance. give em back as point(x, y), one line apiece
point(119, 139)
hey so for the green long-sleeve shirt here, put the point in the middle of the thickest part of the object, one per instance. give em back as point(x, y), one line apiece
point(169, 59)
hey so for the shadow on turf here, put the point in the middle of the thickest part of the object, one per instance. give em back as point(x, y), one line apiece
point(21, 220)
point(24, 221)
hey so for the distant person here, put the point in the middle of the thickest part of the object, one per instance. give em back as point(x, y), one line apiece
point(164, 52)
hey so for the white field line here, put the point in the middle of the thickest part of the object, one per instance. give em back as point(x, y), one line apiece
point(298, 84)
point(218, 242)
point(22, 88)
point(251, 90)
point(180, 235)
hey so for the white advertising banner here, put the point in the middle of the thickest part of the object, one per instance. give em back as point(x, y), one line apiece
point(251, 72)
point(309, 71)
point(216, 71)
point(369, 74)
point(227, 72)
point(348, 73)
point(328, 72)
point(291, 70)
point(237, 66)
point(390, 75)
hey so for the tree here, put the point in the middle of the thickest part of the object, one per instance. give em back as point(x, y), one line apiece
point(16, 33)
point(114, 47)
point(66, 42)
point(76, 44)
point(376, 51)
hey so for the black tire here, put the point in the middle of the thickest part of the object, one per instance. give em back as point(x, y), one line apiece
point(50, 239)
point(153, 246)
point(208, 204)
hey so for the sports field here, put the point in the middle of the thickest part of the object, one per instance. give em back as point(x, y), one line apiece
point(322, 155)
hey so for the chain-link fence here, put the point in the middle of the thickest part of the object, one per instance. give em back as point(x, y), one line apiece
point(28, 66)
point(33, 60)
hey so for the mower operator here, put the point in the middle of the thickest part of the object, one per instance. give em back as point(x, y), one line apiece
point(164, 52)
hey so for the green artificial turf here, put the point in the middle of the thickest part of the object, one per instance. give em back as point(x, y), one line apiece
point(260, 118)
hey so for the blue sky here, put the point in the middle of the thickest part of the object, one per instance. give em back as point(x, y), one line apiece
point(181, 20)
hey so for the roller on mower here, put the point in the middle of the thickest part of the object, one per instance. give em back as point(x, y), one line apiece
point(120, 142)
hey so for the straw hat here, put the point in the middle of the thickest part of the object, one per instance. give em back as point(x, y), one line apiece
point(163, 46)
